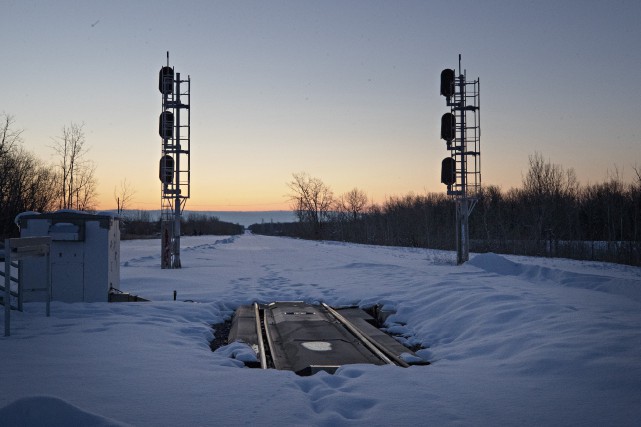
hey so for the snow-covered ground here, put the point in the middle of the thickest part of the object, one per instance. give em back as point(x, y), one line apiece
point(512, 340)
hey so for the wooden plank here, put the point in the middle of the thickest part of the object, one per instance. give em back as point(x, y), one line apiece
point(20, 242)
point(27, 247)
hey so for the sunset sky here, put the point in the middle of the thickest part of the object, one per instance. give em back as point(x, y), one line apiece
point(347, 91)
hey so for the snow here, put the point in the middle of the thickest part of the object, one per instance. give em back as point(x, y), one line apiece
point(512, 340)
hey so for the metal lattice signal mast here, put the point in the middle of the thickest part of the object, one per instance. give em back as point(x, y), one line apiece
point(175, 165)
point(461, 129)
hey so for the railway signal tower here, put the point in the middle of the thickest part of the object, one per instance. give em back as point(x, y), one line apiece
point(175, 166)
point(461, 171)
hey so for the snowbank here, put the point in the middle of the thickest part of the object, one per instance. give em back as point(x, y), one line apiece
point(512, 340)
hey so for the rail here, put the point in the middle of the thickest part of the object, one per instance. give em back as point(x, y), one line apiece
point(307, 338)
point(11, 279)
point(376, 348)
point(18, 249)
point(261, 343)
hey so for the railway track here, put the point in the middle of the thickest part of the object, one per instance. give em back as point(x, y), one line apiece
point(307, 338)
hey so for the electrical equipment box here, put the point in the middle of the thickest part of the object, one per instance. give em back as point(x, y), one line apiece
point(85, 255)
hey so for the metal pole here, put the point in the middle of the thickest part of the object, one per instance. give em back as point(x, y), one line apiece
point(462, 213)
point(7, 288)
point(459, 234)
point(166, 240)
point(188, 136)
point(177, 178)
point(465, 241)
point(48, 261)
point(464, 200)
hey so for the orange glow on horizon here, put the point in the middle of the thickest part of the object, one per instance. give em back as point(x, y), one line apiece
point(108, 203)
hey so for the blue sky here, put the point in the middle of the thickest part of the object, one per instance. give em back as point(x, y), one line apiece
point(347, 91)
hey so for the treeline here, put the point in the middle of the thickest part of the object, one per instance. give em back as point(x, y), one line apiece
point(25, 182)
point(550, 215)
point(141, 225)
point(200, 224)
point(29, 184)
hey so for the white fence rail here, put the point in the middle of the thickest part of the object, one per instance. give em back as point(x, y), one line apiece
point(16, 250)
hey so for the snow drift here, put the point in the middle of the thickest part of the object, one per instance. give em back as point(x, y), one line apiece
point(512, 340)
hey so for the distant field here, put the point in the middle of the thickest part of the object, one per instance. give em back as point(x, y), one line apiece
point(249, 218)
point(243, 218)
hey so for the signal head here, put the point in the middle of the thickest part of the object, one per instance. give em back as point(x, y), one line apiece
point(166, 80)
point(447, 83)
point(448, 171)
point(448, 127)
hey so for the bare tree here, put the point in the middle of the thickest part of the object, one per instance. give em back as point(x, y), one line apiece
point(25, 182)
point(85, 187)
point(353, 202)
point(9, 137)
point(77, 183)
point(548, 179)
point(312, 201)
point(550, 192)
point(637, 172)
point(37, 187)
point(123, 195)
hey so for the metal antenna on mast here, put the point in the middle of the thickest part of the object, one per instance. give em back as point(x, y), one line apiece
point(175, 165)
point(461, 171)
